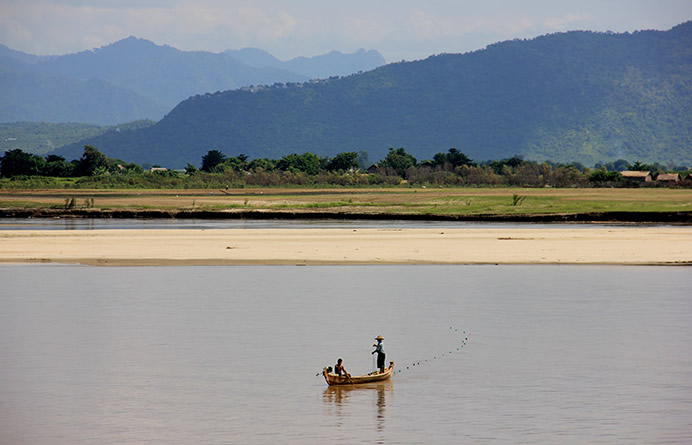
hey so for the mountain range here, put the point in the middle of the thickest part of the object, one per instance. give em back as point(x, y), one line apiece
point(331, 64)
point(575, 96)
point(136, 79)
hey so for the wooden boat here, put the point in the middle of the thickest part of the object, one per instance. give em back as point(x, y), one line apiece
point(333, 379)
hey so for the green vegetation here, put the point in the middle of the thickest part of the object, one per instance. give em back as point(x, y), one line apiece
point(517, 200)
point(364, 201)
point(20, 170)
point(41, 138)
point(399, 161)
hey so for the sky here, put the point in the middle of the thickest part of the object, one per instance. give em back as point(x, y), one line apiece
point(398, 29)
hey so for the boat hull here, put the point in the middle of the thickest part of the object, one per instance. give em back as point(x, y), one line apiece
point(334, 380)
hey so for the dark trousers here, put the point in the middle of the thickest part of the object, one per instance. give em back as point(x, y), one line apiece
point(380, 360)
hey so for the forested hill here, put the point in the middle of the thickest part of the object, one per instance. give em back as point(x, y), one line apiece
point(576, 96)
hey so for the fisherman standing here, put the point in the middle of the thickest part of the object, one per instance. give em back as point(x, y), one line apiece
point(379, 348)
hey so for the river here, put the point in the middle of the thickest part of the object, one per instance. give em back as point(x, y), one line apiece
point(229, 355)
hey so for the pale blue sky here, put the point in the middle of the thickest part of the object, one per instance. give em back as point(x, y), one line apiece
point(399, 29)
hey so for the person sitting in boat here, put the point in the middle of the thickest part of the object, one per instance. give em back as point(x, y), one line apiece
point(379, 348)
point(339, 368)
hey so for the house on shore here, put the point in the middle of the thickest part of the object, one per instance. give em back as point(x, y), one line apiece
point(636, 176)
point(668, 178)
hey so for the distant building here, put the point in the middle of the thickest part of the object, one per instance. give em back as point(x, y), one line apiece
point(668, 178)
point(158, 169)
point(636, 176)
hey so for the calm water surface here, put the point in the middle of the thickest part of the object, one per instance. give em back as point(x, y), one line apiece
point(116, 224)
point(228, 355)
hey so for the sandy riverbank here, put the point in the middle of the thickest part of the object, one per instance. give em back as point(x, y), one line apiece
point(616, 245)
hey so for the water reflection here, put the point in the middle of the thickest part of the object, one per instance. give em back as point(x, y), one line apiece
point(349, 400)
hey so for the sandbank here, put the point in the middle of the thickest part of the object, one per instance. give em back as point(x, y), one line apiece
point(651, 245)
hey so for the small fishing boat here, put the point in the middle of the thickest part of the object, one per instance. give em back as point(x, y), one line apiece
point(375, 376)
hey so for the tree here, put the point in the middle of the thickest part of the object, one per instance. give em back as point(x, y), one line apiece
point(308, 163)
point(120, 166)
point(511, 163)
point(566, 177)
point(261, 164)
point(16, 162)
point(211, 160)
point(343, 161)
point(190, 169)
point(618, 165)
point(91, 162)
point(603, 175)
point(57, 166)
point(638, 166)
point(399, 160)
point(237, 163)
point(457, 158)
point(453, 157)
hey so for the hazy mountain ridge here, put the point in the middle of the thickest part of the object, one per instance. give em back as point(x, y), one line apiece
point(576, 96)
point(334, 63)
point(11, 54)
point(163, 72)
point(43, 138)
point(127, 80)
point(29, 95)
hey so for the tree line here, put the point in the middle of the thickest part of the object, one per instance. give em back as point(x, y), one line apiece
point(451, 168)
point(92, 163)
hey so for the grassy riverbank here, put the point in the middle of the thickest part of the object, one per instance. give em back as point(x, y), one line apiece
point(385, 201)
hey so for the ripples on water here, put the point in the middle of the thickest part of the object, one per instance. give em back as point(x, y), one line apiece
point(209, 355)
